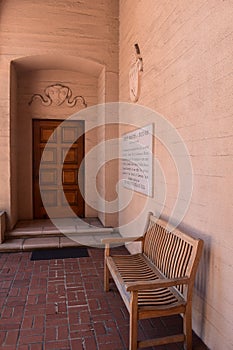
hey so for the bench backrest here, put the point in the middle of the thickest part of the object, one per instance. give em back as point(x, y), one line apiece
point(174, 253)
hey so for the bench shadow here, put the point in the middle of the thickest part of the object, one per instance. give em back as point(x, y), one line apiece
point(202, 276)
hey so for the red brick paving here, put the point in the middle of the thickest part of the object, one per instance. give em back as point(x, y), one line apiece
point(60, 304)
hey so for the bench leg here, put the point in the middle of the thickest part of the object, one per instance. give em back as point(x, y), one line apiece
point(133, 330)
point(188, 329)
point(106, 278)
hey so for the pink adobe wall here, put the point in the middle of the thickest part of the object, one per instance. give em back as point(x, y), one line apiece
point(187, 53)
point(86, 31)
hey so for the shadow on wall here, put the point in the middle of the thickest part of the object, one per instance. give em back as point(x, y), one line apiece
point(201, 282)
point(202, 277)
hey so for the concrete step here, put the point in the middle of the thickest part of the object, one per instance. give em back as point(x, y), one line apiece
point(91, 239)
point(41, 234)
point(54, 232)
point(33, 234)
point(29, 244)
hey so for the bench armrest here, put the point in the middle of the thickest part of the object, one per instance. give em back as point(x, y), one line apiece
point(121, 240)
point(159, 283)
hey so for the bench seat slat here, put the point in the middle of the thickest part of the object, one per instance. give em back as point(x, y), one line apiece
point(165, 297)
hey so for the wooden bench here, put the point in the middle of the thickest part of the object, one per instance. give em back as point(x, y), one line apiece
point(157, 282)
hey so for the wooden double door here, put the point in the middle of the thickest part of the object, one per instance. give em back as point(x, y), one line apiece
point(58, 153)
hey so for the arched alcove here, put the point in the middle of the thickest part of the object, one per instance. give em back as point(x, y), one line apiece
point(31, 75)
point(63, 62)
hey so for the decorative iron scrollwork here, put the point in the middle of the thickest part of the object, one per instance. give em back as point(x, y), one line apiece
point(57, 94)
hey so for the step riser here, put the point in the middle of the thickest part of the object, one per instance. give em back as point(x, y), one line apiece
point(33, 235)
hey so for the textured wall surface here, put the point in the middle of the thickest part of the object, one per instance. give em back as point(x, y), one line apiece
point(187, 53)
point(79, 36)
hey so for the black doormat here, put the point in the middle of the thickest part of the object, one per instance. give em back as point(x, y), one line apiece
point(60, 253)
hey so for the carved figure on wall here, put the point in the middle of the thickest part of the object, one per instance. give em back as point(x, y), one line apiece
point(57, 94)
point(134, 75)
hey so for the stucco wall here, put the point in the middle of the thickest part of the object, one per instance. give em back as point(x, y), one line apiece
point(59, 30)
point(13, 142)
point(187, 54)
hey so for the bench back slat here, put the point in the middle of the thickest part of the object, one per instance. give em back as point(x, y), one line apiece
point(171, 251)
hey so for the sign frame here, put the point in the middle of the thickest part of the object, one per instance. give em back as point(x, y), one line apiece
point(137, 160)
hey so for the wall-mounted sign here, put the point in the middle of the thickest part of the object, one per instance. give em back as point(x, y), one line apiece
point(137, 160)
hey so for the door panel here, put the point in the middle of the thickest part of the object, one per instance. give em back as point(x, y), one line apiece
point(56, 170)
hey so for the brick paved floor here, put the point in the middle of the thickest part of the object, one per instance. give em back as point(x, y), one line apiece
point(60, 304)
